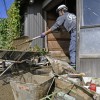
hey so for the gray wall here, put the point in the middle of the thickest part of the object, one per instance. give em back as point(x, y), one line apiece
point(90, 66)
point(88, 45)
point(33, 25)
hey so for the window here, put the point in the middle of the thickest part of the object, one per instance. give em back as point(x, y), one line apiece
point(90, 12)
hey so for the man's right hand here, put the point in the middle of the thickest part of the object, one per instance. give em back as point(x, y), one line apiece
point(42, 35)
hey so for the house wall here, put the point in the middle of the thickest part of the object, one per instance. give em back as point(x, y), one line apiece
point(33, 24)
point(88, 41)
point(58, 41)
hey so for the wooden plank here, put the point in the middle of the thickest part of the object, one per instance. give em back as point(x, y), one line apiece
point(45, 3)
point(89, 56)
point(65, 58)
point(59, 35)
point(63, 55)
point(59, 53)
point(51, 16)
point(50, 23)
point(58, 45)
point(49, 6)
point(58, 41)
point(74, 90)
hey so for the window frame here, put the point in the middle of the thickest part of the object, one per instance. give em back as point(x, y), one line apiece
point(82, 17)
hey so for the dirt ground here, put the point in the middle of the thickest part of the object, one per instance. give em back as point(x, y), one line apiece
point(5, 91)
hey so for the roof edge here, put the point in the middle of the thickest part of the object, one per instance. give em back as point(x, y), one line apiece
point(45, 3)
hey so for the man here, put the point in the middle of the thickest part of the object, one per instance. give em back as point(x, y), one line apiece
point(68, 20)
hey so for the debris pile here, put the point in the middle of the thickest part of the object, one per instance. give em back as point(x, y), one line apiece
point(35, 77)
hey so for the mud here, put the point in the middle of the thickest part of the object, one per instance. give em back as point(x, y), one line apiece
point(5, 91)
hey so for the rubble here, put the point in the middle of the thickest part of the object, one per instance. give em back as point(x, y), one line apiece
point(26, 72)
point(31, 87)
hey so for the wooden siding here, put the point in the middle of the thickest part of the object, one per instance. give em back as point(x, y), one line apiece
point(58, 41)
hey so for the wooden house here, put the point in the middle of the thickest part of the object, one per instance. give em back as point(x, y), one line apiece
point(39, 15)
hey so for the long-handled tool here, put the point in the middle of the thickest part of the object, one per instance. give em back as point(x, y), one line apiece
point(30, 40)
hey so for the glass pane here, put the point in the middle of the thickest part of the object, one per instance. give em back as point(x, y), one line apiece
point(91, 12)
point(90, 41)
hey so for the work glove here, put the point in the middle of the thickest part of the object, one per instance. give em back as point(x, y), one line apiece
point(42, 35)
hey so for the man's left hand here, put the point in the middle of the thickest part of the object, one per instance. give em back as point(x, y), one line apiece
point(42, 35)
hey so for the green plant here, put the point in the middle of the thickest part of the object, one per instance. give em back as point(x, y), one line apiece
point(3, 33)
point(40, 50)
point(13, 22)
point(10, 27)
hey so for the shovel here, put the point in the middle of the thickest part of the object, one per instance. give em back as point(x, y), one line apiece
point(22, 43)
point(30, 40)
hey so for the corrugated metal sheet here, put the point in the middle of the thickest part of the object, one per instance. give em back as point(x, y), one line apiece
point(90, 66)
point(34, 23)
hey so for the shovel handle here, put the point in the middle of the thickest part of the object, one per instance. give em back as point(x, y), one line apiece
point(29, 40)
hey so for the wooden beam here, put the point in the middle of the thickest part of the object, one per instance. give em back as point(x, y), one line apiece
point(45, 3)
point(89, 56)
